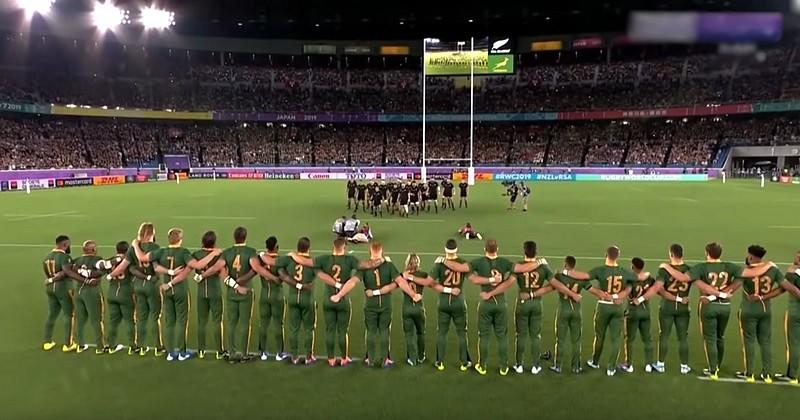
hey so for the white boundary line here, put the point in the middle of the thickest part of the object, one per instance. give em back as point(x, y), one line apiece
point(22, 217)
point(364, 251)
point(212, 217)
point(742, 381)
point(552, 222)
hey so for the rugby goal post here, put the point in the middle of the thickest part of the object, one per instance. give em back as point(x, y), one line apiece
point(425, 160)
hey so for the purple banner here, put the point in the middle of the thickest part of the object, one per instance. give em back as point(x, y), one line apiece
point(433, 171)
point(70, 173)
point(291, 117)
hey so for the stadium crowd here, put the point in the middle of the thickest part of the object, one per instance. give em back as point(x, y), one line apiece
point(635, 77)
point(29, 143)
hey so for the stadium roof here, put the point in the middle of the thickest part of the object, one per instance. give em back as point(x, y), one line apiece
point(376, 19)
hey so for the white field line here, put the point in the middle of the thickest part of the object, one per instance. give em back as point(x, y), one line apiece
point(784, 227)
point(567, 223)
point(596, 223)
point(366, 251)
point(742, 381)
point(212, 217)
point(690, 200)
point(19, 218)
point(404, 220)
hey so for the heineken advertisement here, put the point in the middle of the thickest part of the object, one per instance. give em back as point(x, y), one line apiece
point(452, 57)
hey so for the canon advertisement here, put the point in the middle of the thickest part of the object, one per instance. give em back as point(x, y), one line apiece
point(328, 175)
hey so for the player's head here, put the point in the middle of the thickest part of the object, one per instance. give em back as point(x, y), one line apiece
point(63, 243)
point(451, 246)
point(175, 236)
point(209, 239)
point(569, 262)
point(353, 216)
point(376, 249)
point(714, 251)
point(676, 251)
point(797, 258)
point(755, 253)
point(637, 265)
point(122, 247)
point(529, 247)
point(147, 232)
point(339, 244)
point(412, 262)
point(89, 248)
point(272, 244)
point(491, 246)
point(612, 253)
point(468, 225)
point(303, 244)
point(239, 235)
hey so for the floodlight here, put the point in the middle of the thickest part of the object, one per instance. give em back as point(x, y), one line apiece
point(107, 16)
point(153, 18)
point(33, 7)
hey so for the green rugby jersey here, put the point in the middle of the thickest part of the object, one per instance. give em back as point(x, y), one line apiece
point(576, 286)
point(237, 261)
point(171, 258)
point(338, 266)
point(298, 272)
point(612, 279)
point(418, 289)
point(122, 284)
point(794, 301)
point(448, 278)
point(87, 262)
point(210, 286)
point(488, 267)
point(145, 267)
point(761, 286)
point(375, 279)
point(678, 288)
point(53, 263)
point(716, 274)
point(534, 280)
point(270, 290)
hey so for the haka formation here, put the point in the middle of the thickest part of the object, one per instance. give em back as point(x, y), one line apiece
point(147, 284)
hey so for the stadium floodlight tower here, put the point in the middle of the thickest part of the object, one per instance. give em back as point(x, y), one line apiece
point(32, 7)
point(443, 61)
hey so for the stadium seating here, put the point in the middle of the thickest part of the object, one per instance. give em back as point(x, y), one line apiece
point(32, 143)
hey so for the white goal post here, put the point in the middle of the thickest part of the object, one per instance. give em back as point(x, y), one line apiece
point(425, 160)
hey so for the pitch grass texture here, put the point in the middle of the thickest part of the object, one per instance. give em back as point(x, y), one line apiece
point(570, 218)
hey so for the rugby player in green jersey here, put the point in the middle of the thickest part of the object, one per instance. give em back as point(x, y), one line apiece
point(175, 263)
point(120, 303)
point(528, 309)
point(791, 283)
point(755, 314)
point(615, 285)
point(378, 286)
point(673, 310)
point(241, 263)
point(301, 314)
point(452, 307)
point(637, 320)
point(145, 288)
point(713, 278)
point(271, 303)
point(59, 273)
point(209, 298)
point(569, 320)
point(335, 270)
point(414, 310)
point(490, 272)
point(89, 299)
